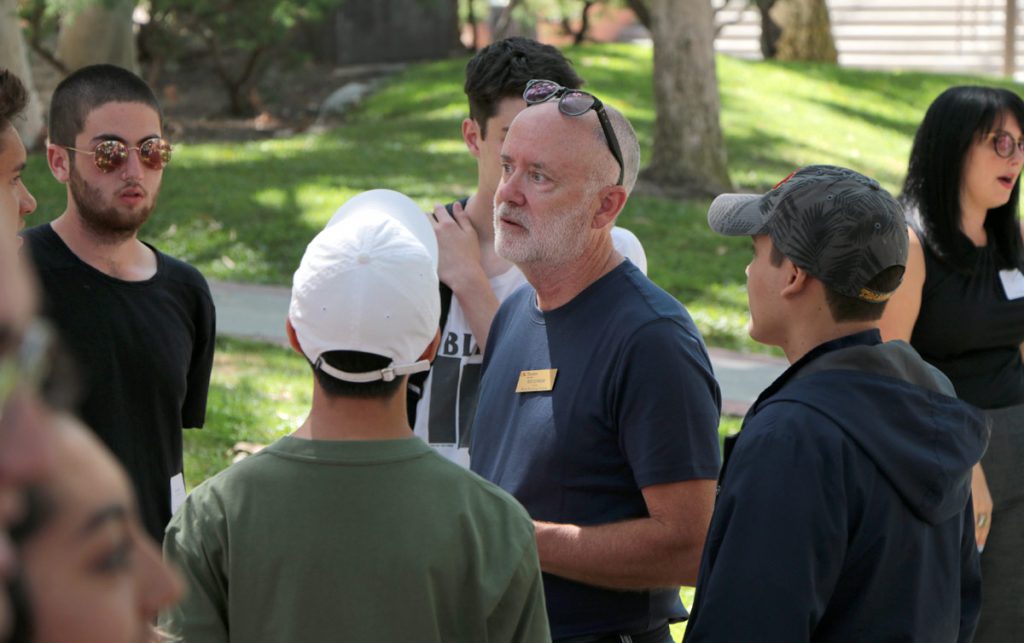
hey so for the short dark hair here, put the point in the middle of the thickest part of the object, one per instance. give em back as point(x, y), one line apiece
point(356, 362)
point(845, 308)
point(91, 87)
point(501, 70)
point(957, 119)
point(13, 99)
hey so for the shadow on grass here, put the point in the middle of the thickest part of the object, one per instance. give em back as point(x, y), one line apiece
point(901, 127)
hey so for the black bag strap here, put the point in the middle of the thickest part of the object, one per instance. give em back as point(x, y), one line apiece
point(417, 380)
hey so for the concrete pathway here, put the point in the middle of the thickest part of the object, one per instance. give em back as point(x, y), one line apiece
point(259, 312)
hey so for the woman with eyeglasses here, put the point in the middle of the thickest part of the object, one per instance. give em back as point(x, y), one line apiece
point(89, 571)
point(961, 305)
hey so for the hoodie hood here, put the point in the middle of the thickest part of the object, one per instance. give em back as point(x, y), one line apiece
point(924, 440)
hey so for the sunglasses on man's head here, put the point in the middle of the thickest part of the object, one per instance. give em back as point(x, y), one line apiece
point(111, 154)
point(573, 102)
point(1005, 144)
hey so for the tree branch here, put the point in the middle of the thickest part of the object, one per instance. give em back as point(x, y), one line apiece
point(643, 13)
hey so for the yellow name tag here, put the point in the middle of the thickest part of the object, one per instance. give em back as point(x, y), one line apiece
point(533, 381)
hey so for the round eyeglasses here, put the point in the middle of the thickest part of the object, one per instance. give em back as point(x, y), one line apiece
point(1004, 144)
point(111, 154)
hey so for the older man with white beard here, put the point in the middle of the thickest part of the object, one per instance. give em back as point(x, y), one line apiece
point(598, 409)
point(139, 322)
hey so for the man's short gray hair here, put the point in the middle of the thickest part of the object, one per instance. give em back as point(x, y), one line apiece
point(628, 145)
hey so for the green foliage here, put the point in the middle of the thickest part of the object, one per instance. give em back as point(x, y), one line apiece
point(265, 22)
point(42, 17)
point(238, 38)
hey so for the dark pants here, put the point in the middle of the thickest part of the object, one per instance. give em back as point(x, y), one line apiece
point(657, 635)
point(1002, 562)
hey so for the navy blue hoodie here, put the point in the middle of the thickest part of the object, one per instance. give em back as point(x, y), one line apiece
point(844, 507)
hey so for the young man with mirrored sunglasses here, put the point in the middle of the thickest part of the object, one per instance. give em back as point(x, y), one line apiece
point(139, 323)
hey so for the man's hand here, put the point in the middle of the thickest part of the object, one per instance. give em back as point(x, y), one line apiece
point(458, 247)
point(459, 267)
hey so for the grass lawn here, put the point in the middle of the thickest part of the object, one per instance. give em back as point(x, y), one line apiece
point(244, 211)
point(259, 392)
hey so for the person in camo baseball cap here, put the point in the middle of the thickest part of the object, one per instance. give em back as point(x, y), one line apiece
point(840, 226)
point(858, 453)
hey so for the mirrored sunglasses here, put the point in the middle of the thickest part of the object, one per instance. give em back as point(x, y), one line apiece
point(573, 102)
point(1004, 144)
point(109, 155)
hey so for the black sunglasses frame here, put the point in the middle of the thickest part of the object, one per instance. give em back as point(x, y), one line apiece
point(561, 93)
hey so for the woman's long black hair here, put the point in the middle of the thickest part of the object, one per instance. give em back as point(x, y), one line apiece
point(958, 118)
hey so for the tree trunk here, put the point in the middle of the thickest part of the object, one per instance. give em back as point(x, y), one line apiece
point(770, 32)
point(505, 24)
point(806, 31)
point(14, 57)
point(579, 36)
point(689, 152)
point(471, 20)
point(97, 34)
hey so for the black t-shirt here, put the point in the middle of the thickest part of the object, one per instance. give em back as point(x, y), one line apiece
point(144, 351)
point(971, 330)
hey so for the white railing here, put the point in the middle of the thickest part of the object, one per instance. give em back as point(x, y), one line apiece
point(963, 36)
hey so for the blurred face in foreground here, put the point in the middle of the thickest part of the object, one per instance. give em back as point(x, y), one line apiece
point(91, 573)
point(25, 447)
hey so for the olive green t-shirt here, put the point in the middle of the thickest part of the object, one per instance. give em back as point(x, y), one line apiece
point(313, 540)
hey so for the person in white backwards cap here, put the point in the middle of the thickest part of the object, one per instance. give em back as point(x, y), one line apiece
point(351, 528)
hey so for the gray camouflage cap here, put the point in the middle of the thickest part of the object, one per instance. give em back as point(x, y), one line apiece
point(838, 225)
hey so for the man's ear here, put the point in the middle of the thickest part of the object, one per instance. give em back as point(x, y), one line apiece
point(797, 279)
point(292, 337)
point(59, 160)
point(611, 200)
point(472, 136)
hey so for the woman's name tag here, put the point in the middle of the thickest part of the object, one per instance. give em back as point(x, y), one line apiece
point(1013, 283)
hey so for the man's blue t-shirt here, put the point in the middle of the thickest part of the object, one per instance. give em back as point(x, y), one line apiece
point(634, 403)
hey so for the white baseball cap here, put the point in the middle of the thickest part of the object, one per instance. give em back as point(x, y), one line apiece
point(368, 282)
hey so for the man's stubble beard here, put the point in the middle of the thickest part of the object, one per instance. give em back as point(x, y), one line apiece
point(557, 242)
point(106, 221)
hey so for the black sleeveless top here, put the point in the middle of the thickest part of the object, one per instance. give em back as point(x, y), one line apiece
point(970, 331)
